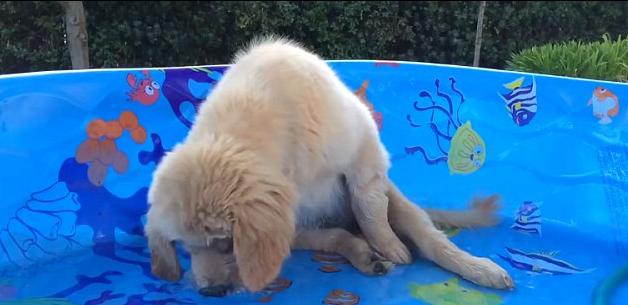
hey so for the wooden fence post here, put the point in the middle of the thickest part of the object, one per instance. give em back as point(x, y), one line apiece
point(478, 35)
point(76, 33)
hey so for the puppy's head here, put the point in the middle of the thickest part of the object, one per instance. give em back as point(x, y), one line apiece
point(214, 190)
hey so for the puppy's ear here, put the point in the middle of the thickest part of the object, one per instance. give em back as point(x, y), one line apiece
point(164, 261)
point(263, 232)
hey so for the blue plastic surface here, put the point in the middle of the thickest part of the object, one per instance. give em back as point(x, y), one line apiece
point(77, 150)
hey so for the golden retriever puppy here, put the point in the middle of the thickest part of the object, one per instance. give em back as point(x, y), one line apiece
point(282, 148)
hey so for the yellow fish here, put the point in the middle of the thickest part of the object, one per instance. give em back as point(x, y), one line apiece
point(451, 293)
point(451, 232)
point(467, 152)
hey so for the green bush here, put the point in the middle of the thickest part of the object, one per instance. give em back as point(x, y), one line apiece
point(180, 33)
point(603, 60)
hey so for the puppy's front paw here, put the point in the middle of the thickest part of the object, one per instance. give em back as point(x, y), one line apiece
point(485, 272)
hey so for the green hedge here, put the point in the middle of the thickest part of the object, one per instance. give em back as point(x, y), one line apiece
point(168, 33)
point(605, 60)
point(31, 37)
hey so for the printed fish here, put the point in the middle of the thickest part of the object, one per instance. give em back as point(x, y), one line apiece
point(540, 263)
point(451, 231)
point(451, 293)
point(528, 218)
point(145, 90)
point(521, 101)
point(467, 152)
point(361, 94)
point(605, 105)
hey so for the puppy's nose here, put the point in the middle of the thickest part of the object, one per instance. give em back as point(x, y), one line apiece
point(215, 291)
point(223, 245)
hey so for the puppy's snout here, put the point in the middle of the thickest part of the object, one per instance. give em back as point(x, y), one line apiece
point(215, 291)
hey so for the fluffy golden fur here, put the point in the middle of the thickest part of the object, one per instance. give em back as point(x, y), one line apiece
point(283, 156)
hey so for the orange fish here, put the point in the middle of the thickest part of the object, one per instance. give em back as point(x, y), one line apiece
point(361, 93)
point(605, 105)
point(145, 91)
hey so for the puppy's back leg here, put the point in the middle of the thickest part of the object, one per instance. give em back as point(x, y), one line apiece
point(342, 242)
point(414, 224)
point(366, 185)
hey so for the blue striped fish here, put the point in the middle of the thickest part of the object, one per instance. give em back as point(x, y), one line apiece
point(521, 101)
point(540, 263)
point(528, 218)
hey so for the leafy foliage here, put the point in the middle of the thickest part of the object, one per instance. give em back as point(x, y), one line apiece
point(30, 42)
point(181, 33)
point(604, 60)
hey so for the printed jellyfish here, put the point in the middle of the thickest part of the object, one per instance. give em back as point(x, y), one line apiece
point(467, 150)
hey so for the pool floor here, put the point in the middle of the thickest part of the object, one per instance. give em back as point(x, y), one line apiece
point(321, 278)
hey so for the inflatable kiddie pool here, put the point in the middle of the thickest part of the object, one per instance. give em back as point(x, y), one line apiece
point(77, 149)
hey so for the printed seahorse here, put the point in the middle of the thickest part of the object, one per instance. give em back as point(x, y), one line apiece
point(177, 91)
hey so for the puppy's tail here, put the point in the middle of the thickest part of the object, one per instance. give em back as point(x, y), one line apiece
point(481, 212)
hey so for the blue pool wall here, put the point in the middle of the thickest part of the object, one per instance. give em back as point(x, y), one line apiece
point(563, 160)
